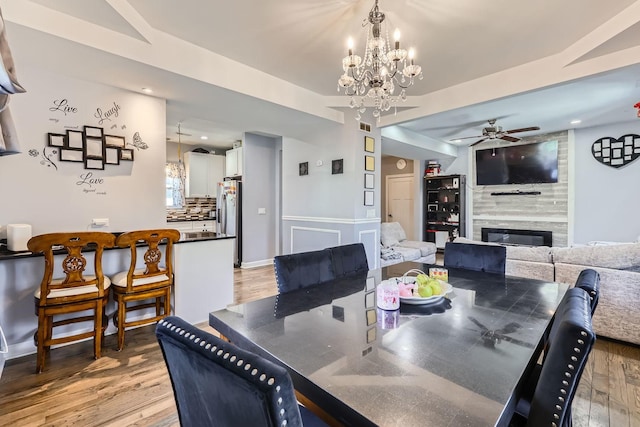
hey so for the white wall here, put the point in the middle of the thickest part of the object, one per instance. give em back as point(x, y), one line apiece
point(606, 199)
point(52, 195)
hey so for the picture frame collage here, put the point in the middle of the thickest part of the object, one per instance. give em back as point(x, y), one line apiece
point(90, 146)
point(369, 166)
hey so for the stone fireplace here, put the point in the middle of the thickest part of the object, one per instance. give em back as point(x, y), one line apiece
point(538, 208)
point(511, 236)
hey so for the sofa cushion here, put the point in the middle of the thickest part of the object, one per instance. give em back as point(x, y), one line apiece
point(622, 257)
point(408, 254)
point(426, 248)
point(529, 253)
point(391, 233)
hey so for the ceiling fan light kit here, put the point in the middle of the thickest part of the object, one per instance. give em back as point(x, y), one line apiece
point(382, 71)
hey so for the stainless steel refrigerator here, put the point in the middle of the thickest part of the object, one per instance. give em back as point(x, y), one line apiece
point(229, 214)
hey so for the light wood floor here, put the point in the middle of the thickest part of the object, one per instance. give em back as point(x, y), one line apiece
point(132, 388)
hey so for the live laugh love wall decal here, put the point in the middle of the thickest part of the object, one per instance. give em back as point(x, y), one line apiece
point(616, 152)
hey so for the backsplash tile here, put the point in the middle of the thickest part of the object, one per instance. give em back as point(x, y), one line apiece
point(195, 208)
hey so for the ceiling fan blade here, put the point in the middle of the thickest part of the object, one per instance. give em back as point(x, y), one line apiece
point(468, 137)
point(478, 142)
point(509, 138)
point(522, 129)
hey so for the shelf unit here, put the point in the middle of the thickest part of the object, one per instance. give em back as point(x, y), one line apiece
point(444, 208)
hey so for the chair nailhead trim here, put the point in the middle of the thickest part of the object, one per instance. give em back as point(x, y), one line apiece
point(240, 362)
point(284, 423)
point(263, 377)
point(556, 416)
point(571, 367)
point(202, 343)
point(226, 356)
point(583, 333)
point(278, 389)
point(279, 401)
point(574, 359)
point(559, 408)
point(247, 366)
point(581, 342)
point(232, 358)
point(561, 399)
point(567, 374)
point(254, 372)
point(271, 381)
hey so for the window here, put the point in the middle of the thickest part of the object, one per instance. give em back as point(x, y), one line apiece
point(174, 185)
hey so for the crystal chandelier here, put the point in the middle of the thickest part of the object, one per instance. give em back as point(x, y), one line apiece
point(383, 70)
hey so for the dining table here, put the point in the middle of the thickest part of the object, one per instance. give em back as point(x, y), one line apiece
point(456, 360)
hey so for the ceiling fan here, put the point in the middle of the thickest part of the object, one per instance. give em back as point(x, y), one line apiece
point(495, 132)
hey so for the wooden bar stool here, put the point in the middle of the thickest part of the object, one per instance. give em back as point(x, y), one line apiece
point(150, 283)
point(74, 293)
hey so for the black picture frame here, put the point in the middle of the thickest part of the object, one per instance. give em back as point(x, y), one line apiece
point(369, 181)
point(74, 140)
point(114, 141)
point(369, 144)
point(111, 155)
point(56, 140)
point(93, 131)
point(303, 168)
point(126, 154)
point(70, 155)
point(94, 148)
point(369, 163)
point(337, 166)
point(93, 164)
point(368, 198)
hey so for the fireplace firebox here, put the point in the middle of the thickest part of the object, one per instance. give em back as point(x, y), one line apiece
point(517, 237)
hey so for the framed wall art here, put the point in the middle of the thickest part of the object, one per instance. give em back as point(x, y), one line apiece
point(303, 168)
point(368, 198)
point(369, 144)
point(94, 148)
point(112, 156)
point(126, 154)
point(97, 164)
point(114, 141)
point(93, 132)
point(336, 166)
point(369, 163)
point(67, 155)
point(368, 180)
point(56, 140)
point(75, 139)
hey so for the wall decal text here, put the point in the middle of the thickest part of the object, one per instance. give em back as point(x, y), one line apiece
point(63, 106)
point(107, 114)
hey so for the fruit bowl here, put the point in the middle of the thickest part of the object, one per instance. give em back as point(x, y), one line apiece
point(421, 289)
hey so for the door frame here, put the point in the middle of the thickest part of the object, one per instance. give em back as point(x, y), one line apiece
point(411, 176)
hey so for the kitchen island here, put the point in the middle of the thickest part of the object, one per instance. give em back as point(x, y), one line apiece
point(203, 278)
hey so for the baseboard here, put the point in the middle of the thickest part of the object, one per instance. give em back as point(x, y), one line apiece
point(255, 264)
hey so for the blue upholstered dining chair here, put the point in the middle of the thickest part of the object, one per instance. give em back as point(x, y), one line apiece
point(303, 269)
point(589, 280)
point(549, 391)
point(217, 383)
point(486, 258)
point(349, 260)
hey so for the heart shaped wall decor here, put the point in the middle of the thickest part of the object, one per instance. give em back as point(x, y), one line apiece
point(616, 152)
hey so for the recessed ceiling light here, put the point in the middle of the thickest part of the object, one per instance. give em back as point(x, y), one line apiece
point(147, 90)
point(204, 137)
point(576, 122)
point(456, 140)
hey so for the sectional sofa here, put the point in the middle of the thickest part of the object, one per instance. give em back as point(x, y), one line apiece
point(618, 313)
point(395, 247)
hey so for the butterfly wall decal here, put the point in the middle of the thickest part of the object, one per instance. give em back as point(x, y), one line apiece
point(138, 142)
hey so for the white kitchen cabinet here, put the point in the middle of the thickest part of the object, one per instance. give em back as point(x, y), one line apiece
point(203, 171)
point(233, 162)
point(191, 226)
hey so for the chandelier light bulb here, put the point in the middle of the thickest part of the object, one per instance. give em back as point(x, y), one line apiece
point(396, 37)
point(350, 45)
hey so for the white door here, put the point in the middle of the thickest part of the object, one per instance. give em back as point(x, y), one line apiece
point(400, 202)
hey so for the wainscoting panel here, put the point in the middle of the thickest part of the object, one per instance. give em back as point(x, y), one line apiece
point(304, 239)
point(369, 238)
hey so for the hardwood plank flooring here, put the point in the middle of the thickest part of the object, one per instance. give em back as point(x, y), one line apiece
point(132, 387)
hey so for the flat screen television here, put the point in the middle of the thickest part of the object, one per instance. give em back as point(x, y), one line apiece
point(518, 164)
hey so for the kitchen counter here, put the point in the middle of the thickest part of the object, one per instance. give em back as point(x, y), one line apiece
point(185, 237)
point(203, 281)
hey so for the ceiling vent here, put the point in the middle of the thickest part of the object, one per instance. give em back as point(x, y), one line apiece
point(365, 127)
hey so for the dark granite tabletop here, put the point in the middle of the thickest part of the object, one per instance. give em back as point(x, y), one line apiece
point(456, 362)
